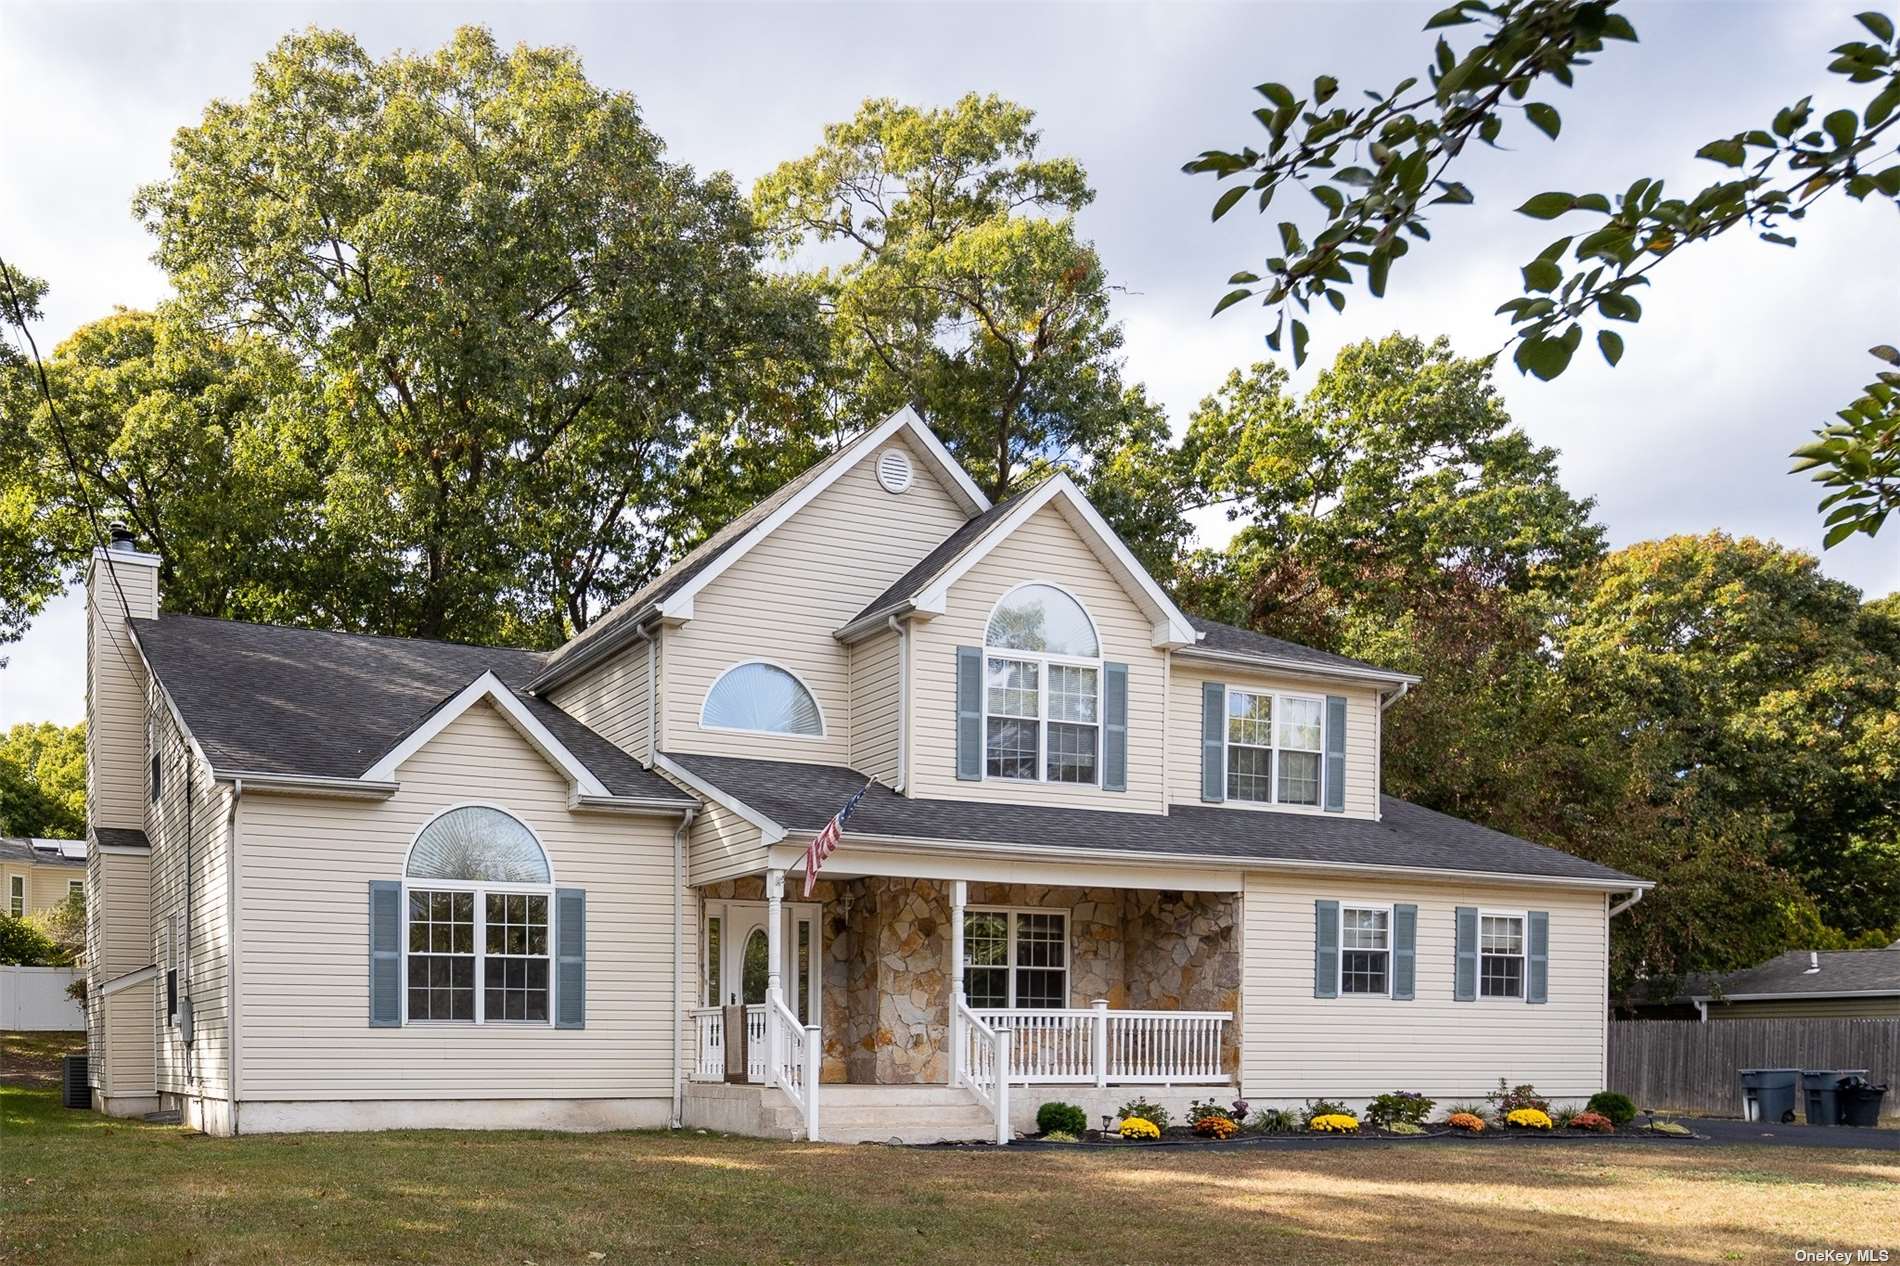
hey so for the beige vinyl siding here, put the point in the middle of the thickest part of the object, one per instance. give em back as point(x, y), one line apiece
point(875, 667)
point(202, 956)
point(115, 693)
point(43, 886)
point(1808, 1009)
point(304, 867)
point(783, 600)
point(612, 700)
point(122, 900)
point(130, 1065)
point(1184, 730)
point(1296, 1046)
point(1044, 548)
point(722, 845)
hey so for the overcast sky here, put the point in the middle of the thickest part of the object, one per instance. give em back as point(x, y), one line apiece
point(1743, 348)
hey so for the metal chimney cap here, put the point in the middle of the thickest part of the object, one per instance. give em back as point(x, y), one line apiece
point(122, 538)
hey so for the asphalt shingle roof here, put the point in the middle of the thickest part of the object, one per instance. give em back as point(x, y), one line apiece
point(13, 849)
point(803, 797)
point(936, 560)
point(270, 699)
point(120, 837)
point(1843, 971)
point(1232, 640)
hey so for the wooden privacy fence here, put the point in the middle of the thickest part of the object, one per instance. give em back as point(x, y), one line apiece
point(1690, 1066)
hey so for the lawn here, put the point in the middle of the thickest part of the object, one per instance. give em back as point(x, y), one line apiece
point(77, 1188)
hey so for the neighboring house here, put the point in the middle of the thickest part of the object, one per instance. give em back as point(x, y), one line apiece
point(1106, 849)
point(1842, 985)
point(37, 875)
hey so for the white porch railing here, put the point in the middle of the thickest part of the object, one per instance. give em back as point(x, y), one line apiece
point(793, 1060)
point(979, 1059)
point(1083, 1045)
point(709, 1031)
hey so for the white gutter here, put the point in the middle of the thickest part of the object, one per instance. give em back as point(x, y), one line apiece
point(1301, 667)
point(306, 784)
point(901, 782)
point(679, 913)
point(1636, 895)
point(1386, 701)
point(1795, 996)
point(136, 977)
point(632, 804)
point(653, 691)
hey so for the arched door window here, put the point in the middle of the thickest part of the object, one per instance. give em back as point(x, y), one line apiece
point(1042, 688)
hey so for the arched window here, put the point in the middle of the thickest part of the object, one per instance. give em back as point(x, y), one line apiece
point(477, 896)
point(764, 698)
point(1043, 688)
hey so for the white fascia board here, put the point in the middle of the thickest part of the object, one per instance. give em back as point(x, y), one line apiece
point(490, 687)
point(1171, 625)
point(1297, 667)
point(770, 832)
point(678, 605)
point(306, 784)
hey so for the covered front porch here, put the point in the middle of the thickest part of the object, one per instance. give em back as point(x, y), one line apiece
point(979, 986)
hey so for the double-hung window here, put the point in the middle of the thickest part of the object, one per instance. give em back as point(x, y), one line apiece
point(1365, 950)
point(1273, 747)
point(16, 896)
point(1016, 958)
point(478, 899)
point(1500, 955)
point(1042, 689)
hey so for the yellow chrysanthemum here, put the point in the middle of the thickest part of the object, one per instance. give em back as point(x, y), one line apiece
point(1138, 1128)
point(1528, 1119)
point(1334, 1123)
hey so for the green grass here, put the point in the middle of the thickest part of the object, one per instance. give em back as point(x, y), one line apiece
point(78, 1188)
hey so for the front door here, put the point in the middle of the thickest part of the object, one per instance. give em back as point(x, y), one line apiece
point(740, 965)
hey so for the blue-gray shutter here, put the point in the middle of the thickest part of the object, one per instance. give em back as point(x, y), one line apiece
point(385, 954)
point(1537, 954)
point(1404, 952)
point(1114, 727)
point(1335, 753)
point(970, 712)
point(1213, 742)
point(570, 958)
point(1464, 979)
point(1325, 949)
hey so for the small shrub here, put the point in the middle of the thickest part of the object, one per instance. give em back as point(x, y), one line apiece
point(22, 944)
point(1673, 1129)
point(1399, 1105)
point(1467, 1109)
point(1201, 1109)
point(1615, 1106)
point(1593, 1121)
point(1334, 1123)
point(1528, 1119)
point(1470, 1122)
point(1405, 1127)
point(1153, 1113)
point(1274, 1121)
point(1216, 1127)
point(1058, 1136)
point(1508, 1099)
point(1322, 1108)
point(1063, 1117)
point(1565, 1115)
point(1138, 1128)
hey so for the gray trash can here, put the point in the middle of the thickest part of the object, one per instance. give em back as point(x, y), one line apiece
point(1820, 1093)
point(1768, 1094)
point(1860, 1102)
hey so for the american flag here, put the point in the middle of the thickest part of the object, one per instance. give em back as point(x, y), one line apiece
point(826, 842)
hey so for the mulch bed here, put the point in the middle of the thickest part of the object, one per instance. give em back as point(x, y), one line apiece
point(1182, 1136)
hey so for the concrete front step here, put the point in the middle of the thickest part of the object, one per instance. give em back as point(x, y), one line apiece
point(890, 1114)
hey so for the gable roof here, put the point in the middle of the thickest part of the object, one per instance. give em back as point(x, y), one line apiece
point(265, 699)
point(1231, 642)
point(1787, 975)
point(925, 586)
point(794, 797)
point(671, 592)
point(43, 852)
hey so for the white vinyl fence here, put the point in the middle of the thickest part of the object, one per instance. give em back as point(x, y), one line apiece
point(34, 998)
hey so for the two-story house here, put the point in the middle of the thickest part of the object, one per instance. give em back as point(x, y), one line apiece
point(1103, 849)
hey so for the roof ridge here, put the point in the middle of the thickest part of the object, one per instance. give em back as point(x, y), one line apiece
point(304, 628)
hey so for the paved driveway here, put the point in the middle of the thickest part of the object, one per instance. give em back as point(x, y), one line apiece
point(1726, 1131)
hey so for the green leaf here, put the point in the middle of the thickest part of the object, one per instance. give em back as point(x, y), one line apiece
point(1729, 152)
point(1243, 278)
point(1886, 352)
point(1838, 533)
point(1544, 357)
point(1228, 300)
point(1376, 273)
point(1324, 89)
point(1556, 249)
point(1610, 343)
point(1617, 27)
point(1843, 126)
point(1454, 16)
point(1279, 94)
point(1544, 118)
point(1548, 206)
point(1883, 103)
point(1299, 343)
point(1290, 237)
point(1542, 274)
point(1329, 197)
point(1878, 23)
point(1226, 201)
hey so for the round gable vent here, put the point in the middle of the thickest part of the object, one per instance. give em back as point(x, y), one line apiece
point(893, 470)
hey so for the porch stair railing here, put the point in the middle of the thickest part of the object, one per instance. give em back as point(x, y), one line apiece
point(979, 1056)
point(1084, 1045)
point(792, 1059)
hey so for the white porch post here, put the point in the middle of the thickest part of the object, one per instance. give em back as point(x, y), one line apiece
point(1098, 1044)
point(774, 936)
point(959, 897)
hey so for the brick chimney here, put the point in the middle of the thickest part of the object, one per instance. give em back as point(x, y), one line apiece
point(121, 585)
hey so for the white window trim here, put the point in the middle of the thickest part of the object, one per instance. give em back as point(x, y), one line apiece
point(481, 889)
point(805, 912)
point(1523, 918)
point(74, 885)
point(16, 896)
point(1011, 914)
point(1274, 804)
point(1391, 950)
point(824, 722)
point(1042, 660)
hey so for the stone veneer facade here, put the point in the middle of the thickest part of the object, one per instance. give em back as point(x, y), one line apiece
point(885, 1011)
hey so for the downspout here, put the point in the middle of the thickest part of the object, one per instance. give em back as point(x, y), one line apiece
point(653, 692)
point(902, 780)
point(231, 966)
point(1626, 903)
point(679, 913)
point(1405, 688)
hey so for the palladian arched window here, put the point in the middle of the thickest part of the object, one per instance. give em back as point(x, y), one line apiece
point(763, 698)
point(1043, 688)
point(478, 893)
